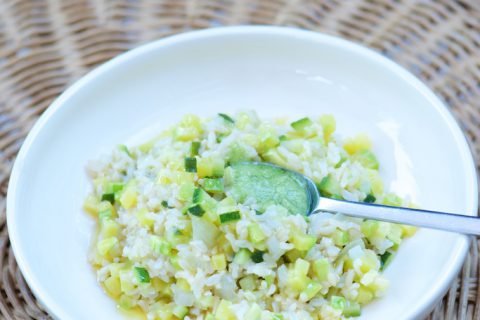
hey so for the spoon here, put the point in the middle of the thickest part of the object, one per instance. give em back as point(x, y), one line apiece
point(269, 184)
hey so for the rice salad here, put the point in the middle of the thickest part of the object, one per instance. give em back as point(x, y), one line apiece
point(173, 243)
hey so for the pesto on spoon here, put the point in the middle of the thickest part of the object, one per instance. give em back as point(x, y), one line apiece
point(267, 184)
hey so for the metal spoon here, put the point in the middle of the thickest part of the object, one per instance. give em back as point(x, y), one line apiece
point(416, 217)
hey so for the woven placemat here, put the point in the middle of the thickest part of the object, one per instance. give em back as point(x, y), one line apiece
point(45, 45)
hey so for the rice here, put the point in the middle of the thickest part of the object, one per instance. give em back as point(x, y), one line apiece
point(153, 253)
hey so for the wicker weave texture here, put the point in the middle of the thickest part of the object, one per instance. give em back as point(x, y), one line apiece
point(45, 45)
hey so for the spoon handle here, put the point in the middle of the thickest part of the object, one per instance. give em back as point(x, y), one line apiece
point(421, 218)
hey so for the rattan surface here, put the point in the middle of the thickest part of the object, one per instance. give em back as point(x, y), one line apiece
point(45, 45)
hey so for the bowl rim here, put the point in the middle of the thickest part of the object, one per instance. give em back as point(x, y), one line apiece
point(462, 243)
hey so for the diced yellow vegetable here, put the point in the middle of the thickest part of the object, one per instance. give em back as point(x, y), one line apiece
point(376, 182)
point(127, 280)
point(185, 192)
point(293, 255)
point(109, 228)
point(255, 233)
point(321, 269)
point(311, 290)
point(302, 267)
point(144, 219)
point(296, 282)
point(408, 231)
point(254, 313)
point(126, 302)
point(359, 143)
point(219, 262)
point(303, 242)
point(180, 311)
point(189, 128)
point(128, 199)
point(112, 286)
point(183, 284)
point(364, 295)
point(328, 123)
point(248, 283)
point(210, 167)
point(91, 205)
point(108, 246)
point(206, 302)
point(224, 311)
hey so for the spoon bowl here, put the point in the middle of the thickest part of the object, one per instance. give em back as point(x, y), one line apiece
point(268, 175)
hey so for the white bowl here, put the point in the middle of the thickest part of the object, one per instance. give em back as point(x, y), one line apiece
point(277, 71)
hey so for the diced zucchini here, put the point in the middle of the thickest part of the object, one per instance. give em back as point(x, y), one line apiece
point(340, 237)
point(255, 233)
point(196, 210)
point(391, 199)
point(180, 311)
point(338, 303)
point(311, 290)
point(194, 148)
point(242, 256)
point(257, 256)
point(124, 148)
point(293, 255)
point(268, 139)
point(321, 269)
point(224, 311)
point(219, 262)
point(126, 302)
point(144, 219)
point(364, 295)
point(294, 145)
point(302, 267)
point(91, 205)
point(210, 167)
point(366, 158)
point(214, 185)
point(385, 260)
point(191, 164)
point(160, 245)
point(395, 233)
point(105, 214)
point(230, 217)
point(107, 246)
point(303, 242)
point(273, 156)
point(189, 128)
point(110, 197)
point(376, 182)
point(206, 302)
point(370, 198)
point(301, 124)
point(185, 192)
point(352, 309)
point(248, 282)
point(330, 187)
point(141, 274)
point(109, 228)
point(297, 282)
point(165, 204)
point(227, 118)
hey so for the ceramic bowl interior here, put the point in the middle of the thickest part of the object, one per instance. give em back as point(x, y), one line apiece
point(277, 72)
